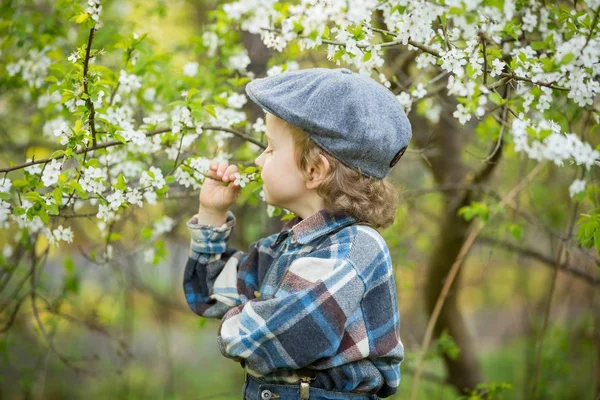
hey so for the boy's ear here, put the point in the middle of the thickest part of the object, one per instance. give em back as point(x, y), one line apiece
point(318, 173)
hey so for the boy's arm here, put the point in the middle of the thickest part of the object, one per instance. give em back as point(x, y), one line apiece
point(211, 271)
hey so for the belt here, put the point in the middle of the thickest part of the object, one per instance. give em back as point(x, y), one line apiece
point(306, 376)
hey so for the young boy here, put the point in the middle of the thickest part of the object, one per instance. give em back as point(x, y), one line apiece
point(311, 311)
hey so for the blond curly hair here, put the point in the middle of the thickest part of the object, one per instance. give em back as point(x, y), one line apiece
point(371, 201)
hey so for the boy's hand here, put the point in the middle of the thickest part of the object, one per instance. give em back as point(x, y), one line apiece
point(218, 194)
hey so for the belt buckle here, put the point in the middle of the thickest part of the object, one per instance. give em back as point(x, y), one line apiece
point(305, 387)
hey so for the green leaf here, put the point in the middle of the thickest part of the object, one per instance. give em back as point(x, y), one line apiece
point(20, 183)
point(33, 196)
point(119, 138)
point(121, 182)
point(567, 58)
point(114, 236)
point(57, 153)
point(597, 240)
point(516, 231)
point(288, 216)
point(68, 265)
point(496, 98)
point(71, 284)
point(44, 216)
point(146, 233)
point(191, 93)
point(81, 18)
point(57, 193)
point(52, 209)
point(209, 108)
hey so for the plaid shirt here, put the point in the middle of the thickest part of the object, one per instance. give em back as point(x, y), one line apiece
point(320, 294)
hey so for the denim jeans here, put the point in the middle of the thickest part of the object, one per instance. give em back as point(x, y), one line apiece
point(255, 389)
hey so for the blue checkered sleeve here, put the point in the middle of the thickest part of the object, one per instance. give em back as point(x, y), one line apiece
point(210, 263)
point(302, 323)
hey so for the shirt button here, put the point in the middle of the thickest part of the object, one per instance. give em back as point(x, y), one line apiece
point(346, 71)
point(266, 395)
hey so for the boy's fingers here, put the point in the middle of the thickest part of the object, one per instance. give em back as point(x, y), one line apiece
point(222, 168)
point(232, 169)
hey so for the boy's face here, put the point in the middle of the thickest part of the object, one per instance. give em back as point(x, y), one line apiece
point(283, 183)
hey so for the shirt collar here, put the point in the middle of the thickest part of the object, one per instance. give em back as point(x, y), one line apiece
point(319, 224)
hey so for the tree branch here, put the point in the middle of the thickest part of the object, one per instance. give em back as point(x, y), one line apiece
point(546, 260)
point(90, 103)
point(117, 143)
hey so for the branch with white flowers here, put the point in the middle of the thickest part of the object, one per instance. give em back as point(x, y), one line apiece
point(117, 143)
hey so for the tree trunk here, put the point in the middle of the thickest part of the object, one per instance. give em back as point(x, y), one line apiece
point(447, 167)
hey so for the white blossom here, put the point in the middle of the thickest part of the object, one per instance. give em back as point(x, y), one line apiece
point(259, 125)
point(49, 98)
point(405, 101)
point(577, 186)
point(163, 225)
point(191, 68)
point(462, 113)
point(181, 118)
point(497, 67)
point(185, 179)
point(108, 252)
point(73, 57)
point(419, 91)
point(556, 147)
point(158, 181)
point(211, 40)
point(5, 185)
point(149, 94)
point(134, 196)
point(236, 100)
point(94, 9)
point(33, 169)
point(61, 234)
point(7, 251)
point(51, 173)
point(33, 67)
point(4, 213)
point(239, 61)
point(453, 61)
point(148, 256)
point(93, 180)
point(241, 179)
point(129, 82)
point(150, 196)
point(115, 199)
point(105, 213)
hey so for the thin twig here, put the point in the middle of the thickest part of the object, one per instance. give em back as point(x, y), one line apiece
point(540, 344)
point(89, 102)
point(468, 243)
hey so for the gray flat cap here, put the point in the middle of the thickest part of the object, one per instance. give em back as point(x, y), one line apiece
point(352, 116)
